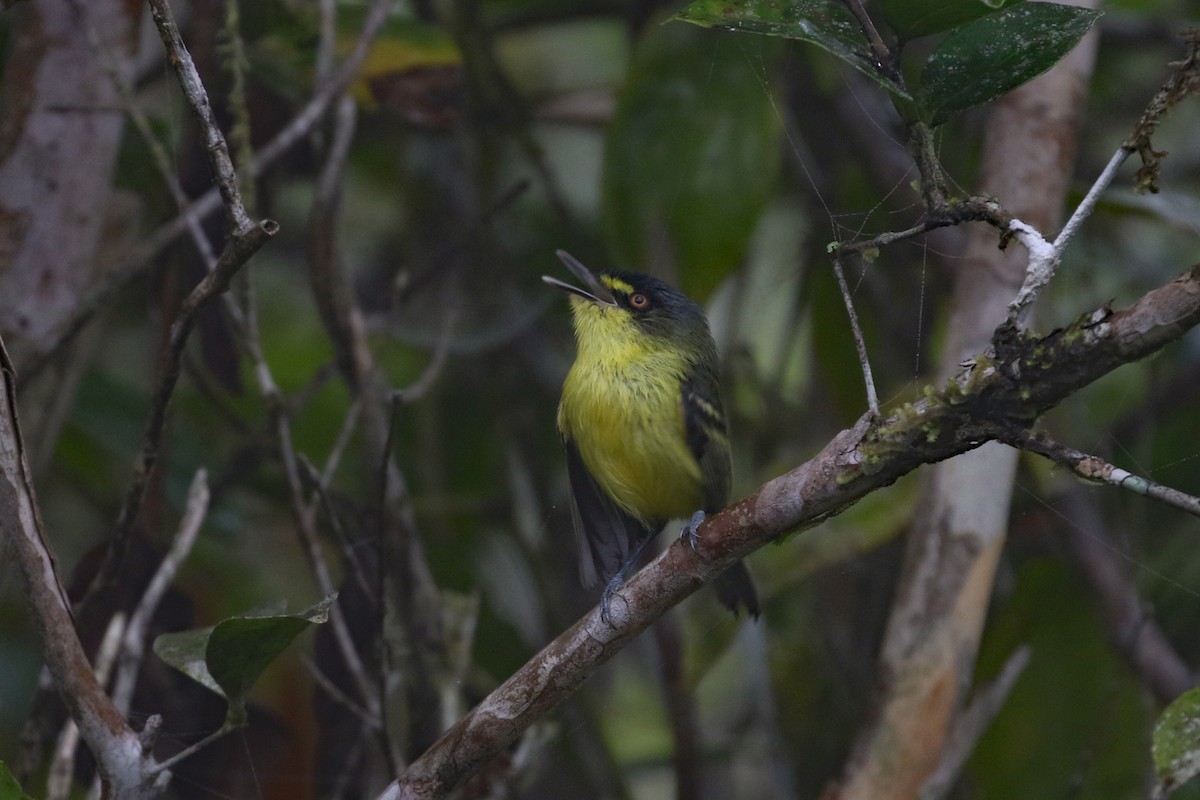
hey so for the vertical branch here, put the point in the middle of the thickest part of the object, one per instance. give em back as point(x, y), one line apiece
point(193, 89)
point(860, 343)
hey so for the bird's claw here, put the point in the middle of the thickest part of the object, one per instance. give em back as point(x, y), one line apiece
point(690, 532)
point(610, 591)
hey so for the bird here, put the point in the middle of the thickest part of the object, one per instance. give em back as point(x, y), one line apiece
point(642, 424)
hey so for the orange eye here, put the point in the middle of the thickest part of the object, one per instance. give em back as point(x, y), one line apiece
point(639, 300)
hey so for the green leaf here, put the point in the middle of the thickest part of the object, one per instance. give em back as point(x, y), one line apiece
point(9, 788)
point(911, 19)
point(692, 154)
point(1176, 745)
point(982, 60)
point(825, 23)
point(230, 656)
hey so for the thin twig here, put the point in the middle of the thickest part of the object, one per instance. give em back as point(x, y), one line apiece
point(331, 291)
point(971, 209)
point(680, 705)
point(433, 370)
point(884, 61)
point(304, 516)
point(245, 238)
point(1094, 468)
point(197, 97)
point(134, 640)
point(860, 343)
point(238, 250)
point(163, 766)
point(1044, 257)
point(349, 425)
point(343, 699)
point(1183, 81)
point(1088, 204)
point(500, 96)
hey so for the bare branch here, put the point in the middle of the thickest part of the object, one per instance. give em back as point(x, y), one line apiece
point(860, 344)
point(134, 640)
point(238, 250)
point(116, 748)
point(1094, 468)
point(193, 89)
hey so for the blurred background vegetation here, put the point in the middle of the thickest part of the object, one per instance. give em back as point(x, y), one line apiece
point(489, 134)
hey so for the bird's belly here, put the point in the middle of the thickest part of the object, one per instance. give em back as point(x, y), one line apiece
point(630, 434)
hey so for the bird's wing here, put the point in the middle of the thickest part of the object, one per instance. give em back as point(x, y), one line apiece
point(708, 438)
point(607, 536)
point(707, 435)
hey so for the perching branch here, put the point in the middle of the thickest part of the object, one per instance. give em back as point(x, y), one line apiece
point(1022, 378)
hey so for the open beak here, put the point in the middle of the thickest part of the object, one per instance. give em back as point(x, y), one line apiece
point(593, 289)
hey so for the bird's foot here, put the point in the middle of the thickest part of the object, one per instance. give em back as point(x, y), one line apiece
point(610, 591)
point(690, 532)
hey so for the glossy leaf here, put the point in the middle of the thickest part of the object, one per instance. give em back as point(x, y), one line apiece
point(230, 656)
point(984, 59)
point(825, 23)
point(911, 19)
point(691, 155)
point(1176, 745)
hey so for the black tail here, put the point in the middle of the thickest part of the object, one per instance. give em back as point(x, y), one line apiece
point(735, 590)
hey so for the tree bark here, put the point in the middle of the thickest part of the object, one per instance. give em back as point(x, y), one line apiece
point(58, 145)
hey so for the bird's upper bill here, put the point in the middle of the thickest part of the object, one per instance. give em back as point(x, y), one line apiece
point(593, 287)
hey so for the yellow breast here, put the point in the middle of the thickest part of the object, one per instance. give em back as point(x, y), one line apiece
point(621, 406)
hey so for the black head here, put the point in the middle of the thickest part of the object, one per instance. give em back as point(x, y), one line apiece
point(655, 307)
